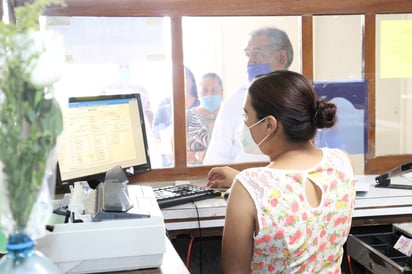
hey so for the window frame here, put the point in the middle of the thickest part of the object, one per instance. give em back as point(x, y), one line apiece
point(306, 9)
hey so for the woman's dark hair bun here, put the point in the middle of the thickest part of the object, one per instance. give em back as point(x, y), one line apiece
point(325, 115)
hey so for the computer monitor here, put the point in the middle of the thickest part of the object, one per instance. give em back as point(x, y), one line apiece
point(102, 132)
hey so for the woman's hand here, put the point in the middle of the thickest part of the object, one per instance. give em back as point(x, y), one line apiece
point(221, 177)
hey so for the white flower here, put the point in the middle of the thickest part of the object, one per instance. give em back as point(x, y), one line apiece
point(43, 54)
point(50, 63)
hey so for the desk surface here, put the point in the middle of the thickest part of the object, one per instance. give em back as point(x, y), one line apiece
point(376, 206)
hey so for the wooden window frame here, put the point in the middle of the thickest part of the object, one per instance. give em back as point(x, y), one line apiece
point(176, 9)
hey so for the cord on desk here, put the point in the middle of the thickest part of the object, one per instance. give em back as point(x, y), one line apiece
point(189, 250)
point(349, 264)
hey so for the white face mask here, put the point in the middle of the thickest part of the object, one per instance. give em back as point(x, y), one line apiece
point(246, 140)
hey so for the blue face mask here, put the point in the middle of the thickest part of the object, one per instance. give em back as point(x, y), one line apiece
point(254, 70)
point(211, 103)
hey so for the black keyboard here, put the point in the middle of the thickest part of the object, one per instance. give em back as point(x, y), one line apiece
point(180, 194)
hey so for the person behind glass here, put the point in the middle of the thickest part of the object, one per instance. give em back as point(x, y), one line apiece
point(268, 49)
point(162, 123)
point(294, 215)
point(192, 99)
point(201, 119)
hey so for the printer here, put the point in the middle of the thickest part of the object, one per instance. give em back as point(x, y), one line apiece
point(116, 241)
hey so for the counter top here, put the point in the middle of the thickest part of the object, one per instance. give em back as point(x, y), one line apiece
point(371, 204)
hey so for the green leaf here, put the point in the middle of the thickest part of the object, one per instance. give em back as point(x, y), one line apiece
point(29, 123)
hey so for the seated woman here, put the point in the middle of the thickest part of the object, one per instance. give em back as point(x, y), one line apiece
point(294, 215)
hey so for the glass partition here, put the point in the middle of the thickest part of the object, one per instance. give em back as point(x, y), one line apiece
point(393, 84)
point(219, 45)
point(107, 55)
point(338, 47)
point(339, 77)
point(121, 55)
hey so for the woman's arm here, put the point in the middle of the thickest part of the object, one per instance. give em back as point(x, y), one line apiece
point(237, 240)
point(221, 177)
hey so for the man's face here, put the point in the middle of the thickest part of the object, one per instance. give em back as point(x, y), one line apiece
point(259, 52)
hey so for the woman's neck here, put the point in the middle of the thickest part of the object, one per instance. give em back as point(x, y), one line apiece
point(296, 156)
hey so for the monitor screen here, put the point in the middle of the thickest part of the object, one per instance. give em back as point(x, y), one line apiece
point(101, 132)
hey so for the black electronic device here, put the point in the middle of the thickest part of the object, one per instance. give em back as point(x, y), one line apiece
point(180, 194)
point(102, 132)
point(384, 180)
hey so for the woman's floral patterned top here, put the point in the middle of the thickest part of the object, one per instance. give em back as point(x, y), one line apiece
point(295, 237)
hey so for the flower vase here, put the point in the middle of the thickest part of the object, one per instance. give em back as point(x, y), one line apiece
point(23, 258)
point(31, 63)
